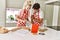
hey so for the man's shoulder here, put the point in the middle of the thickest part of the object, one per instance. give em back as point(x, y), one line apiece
point(41, 12)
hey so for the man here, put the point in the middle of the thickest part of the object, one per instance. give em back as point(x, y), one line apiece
point(37, 16)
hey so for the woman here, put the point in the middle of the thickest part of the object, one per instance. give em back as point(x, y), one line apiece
point(23, 15)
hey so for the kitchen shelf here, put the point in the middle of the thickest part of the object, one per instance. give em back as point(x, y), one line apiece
point(53, 2)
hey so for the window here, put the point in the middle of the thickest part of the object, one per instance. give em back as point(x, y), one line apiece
point(11, 12)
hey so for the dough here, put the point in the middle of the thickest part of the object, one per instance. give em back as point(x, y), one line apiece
point(3, 30)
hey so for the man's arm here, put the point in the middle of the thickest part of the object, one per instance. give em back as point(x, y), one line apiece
point(40, 20)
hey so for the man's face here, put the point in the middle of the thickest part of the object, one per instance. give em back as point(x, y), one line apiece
point(35, 10)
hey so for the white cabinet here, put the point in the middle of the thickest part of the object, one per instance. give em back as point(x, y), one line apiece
point(56, 4)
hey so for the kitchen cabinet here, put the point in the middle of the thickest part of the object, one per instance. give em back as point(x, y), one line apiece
point(56, 4)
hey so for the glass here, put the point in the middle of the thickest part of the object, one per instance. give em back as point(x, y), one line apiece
point(43, 27)
point(34, 28)
point(45, 23)
point(28, 24)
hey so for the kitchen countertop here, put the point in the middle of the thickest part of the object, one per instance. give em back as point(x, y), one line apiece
point(50, 34)
point(58, 35)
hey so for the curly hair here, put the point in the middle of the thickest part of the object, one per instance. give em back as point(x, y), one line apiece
point(36, 6)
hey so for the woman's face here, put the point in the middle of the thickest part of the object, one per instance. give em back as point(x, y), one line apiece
point(28, 7)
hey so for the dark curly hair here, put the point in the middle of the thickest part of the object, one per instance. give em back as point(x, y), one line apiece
point(36, 6)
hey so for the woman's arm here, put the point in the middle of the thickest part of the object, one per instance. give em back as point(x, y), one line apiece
point(17, 17)
point(15, 29)
point(32, 18)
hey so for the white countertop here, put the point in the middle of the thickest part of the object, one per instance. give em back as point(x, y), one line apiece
point(58, 35)
point(50, 34)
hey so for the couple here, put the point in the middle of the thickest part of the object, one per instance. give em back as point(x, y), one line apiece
point(36, 16)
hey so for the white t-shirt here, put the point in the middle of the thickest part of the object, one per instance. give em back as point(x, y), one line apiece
point(41, 14)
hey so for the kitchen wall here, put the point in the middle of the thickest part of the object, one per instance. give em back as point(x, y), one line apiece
point(58, 27)
point(59, 17)
point(15, 3)
point(49, 14)
point(2, 12)
point(19, 3)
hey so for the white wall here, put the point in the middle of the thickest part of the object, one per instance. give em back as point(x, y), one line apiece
point(59, 17)
point(2, 12)
point(15, 3)
point(55, 16)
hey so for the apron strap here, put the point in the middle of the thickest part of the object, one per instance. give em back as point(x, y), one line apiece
point(38, 14)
